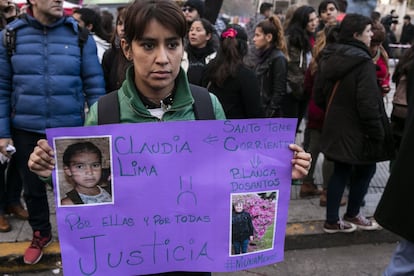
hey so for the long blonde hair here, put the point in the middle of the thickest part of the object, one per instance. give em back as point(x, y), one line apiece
point(320, 43)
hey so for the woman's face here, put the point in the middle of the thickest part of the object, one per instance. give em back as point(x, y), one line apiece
point(365, 36)
point(329, 15)
point(156, 58)
point(260, 39)
point(312, 23)
point(238, 207)
point(197, 35)
point(120, 27)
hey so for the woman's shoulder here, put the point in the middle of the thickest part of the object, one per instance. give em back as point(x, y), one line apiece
point(277, 54)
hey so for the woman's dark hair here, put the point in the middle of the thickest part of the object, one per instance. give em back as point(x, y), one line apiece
point(296, 30)
point(351, 24)
point(273, 26)
point(229, 56)
point(120, 18)
point(140, 13)
point(107, 19)
point(80, 147)
point(89, 16)
point(120, 59)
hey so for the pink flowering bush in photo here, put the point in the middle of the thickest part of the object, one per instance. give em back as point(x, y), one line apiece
point(262, 210)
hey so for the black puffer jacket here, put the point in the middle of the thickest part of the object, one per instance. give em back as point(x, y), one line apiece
point(356, 126)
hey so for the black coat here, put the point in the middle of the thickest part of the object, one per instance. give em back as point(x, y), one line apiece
point(395, 209)
point(238, 95)
point(356, 126)
point(407, 34)
point(241, 226)
point(271, 72)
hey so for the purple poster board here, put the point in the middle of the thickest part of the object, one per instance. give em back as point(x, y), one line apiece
point(171, 190)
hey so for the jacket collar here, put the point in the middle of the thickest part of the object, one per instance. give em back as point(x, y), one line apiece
point(182, 96)
point(67, 20)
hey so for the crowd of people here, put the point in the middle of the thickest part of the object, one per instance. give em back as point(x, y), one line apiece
point(321, 66)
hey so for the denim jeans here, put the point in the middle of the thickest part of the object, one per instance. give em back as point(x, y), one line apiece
point(402, 261)
point(361, 177)
point(240, 246)
point(10, 186)
point(34, 190)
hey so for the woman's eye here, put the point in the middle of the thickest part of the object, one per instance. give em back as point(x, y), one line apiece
point(173, 45)
point(148, 46)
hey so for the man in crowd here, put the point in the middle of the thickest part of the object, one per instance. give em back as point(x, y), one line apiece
point(407, 34)
point(193, 9)
point(46, 75)
point(265, 11)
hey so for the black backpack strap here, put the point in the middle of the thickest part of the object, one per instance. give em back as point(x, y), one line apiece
point(9, 41)
point(9, 34)
point(203, 107)
point(74, 196)
point(108, 109)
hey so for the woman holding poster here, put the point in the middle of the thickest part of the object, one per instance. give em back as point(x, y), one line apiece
point(156, 88)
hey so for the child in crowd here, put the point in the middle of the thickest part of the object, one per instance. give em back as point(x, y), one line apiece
point(241, 228)
point(82, 163)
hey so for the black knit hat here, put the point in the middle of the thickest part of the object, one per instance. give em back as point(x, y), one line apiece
point(196, 4)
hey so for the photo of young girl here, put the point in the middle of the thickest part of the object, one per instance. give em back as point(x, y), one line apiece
point(90, 183)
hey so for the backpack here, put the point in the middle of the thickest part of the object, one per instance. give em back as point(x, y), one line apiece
point(9, 36)
point(399, 101)
point(109, 113)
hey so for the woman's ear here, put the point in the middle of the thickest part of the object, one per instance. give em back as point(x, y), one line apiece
point(269, 37)
point(356, 35)
point(126, 49)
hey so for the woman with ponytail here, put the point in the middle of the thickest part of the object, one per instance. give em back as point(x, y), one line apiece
point(231, 80)
point(271, 69)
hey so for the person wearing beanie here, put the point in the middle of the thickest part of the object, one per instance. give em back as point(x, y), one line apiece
point(193, 9)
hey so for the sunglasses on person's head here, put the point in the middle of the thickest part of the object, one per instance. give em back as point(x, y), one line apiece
point(189, 9)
